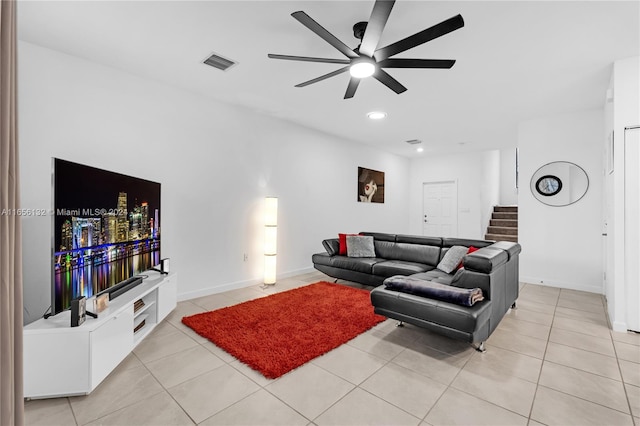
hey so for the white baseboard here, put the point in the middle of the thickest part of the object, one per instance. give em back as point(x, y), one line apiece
point(297, 272)
point(619, 326)
point(560, 284)
point(238, 284)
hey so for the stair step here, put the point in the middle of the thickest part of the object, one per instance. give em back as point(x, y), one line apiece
point(506, 209)
point(511, 223)
point(498, 237)
point(502, 230)
point(504, 215)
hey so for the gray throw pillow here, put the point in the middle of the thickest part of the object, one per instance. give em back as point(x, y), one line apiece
point(360, 246)
point(452, 258)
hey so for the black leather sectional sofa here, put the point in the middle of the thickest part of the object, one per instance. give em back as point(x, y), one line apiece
point(493, 268)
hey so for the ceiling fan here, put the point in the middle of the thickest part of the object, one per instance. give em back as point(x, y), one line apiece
point(369, 60)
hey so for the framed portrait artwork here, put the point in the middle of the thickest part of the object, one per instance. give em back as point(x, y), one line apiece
point(370, 186)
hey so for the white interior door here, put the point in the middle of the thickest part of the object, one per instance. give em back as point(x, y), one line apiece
point(632, 226)
point(440, 209)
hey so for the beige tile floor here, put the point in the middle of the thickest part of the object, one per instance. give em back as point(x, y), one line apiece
point(552, 361)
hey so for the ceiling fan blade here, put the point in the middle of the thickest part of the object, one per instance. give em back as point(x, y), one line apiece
point(309, 59)
point(323, 77)
point(389, 81)
point(375, 26)
point(308, 22)
point(351, 88)
point(416, 63)
point(444, 27)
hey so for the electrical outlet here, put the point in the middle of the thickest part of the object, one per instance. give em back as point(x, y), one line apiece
point(246, 257)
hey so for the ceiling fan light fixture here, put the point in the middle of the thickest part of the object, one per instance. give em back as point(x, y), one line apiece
point(367, 59)
point(362, 68)
point(376, 115)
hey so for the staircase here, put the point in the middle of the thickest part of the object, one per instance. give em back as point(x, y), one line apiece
point(503, 225)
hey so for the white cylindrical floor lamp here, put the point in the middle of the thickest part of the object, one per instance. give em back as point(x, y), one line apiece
point(270, 239)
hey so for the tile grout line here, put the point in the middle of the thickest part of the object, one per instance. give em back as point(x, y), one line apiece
point(285, 403)
point(390, 361)
point(73, 413)
point(449, 387)
point(165, 389)
point(544, 356)
point(357, 386)
point(586, 400)
point(260, 387)
point(225, 363)
point(133, 403)
point(574, 396)
point(390, 403)
point(624, 387)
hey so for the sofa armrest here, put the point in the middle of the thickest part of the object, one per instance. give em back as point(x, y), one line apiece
point(512, 249)
point(495, 270)
point(332, 246)
point(485, 260)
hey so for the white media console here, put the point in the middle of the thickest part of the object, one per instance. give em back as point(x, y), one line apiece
point(60, 360)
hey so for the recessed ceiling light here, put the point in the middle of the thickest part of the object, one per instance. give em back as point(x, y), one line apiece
point(376, 115)
point(420, 149)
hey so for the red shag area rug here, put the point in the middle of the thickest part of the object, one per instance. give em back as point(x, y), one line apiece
point(278, 333)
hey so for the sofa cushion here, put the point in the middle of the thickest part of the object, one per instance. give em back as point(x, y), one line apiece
point(417, 253)
point(360, 246)
point(452, 258)
point(384, 249)
point(435, 275)
point(387, 268)
point(359, 264)
point(446, 293)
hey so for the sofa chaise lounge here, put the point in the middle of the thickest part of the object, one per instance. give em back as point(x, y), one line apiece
point(493, 268)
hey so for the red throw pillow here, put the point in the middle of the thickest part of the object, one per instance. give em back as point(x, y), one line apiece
point(342, 240)
point(471, 250)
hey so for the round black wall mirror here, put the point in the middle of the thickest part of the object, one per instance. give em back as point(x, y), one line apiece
point(559, 183)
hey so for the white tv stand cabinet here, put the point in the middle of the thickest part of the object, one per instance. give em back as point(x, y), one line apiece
point(60, 360)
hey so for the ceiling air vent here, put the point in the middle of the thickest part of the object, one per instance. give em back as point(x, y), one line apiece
point(414, 141)
point(219, 62)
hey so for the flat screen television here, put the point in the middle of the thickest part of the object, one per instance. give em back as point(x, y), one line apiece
point(106, 230)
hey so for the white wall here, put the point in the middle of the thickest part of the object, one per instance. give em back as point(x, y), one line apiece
point(215, 164)
point(490, 189)
point(478, 177)
point(508, 191)
point(562, 246)
point(624, 112)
